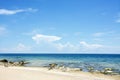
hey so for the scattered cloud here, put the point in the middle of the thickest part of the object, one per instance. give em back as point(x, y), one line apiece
point(11, 12)
point(102, 36)
point(82, 47)
point(3, 30)
point(67, 47)
point(19, 48)
point(90, 46)
point(49, 43)
point(45, 38)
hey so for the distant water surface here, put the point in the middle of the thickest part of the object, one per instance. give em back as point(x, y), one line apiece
point(98, 61)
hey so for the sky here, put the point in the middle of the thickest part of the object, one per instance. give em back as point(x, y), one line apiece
point(60, 26)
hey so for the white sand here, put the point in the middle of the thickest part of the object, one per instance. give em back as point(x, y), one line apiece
point(30, 73)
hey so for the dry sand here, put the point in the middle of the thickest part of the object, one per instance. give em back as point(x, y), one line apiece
point(31, 73)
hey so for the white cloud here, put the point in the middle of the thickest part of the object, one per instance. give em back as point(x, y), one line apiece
point(66, 47)
point(31, 10)
point(90, 46)
point(11, 12)
point(50, 45)
point(45, 38)
point(19, 48)
point(3, 30)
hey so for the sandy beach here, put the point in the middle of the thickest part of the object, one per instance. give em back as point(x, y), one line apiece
point(32, 73)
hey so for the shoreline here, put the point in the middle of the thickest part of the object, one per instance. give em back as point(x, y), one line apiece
point(40, 73)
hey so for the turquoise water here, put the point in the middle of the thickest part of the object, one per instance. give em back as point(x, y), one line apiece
point(98, 61)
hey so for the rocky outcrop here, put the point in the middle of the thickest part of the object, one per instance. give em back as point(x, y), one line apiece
point(107, 71)
point(4, 60)
point(7, 63)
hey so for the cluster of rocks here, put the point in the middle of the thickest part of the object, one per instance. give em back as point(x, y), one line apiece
point(7, 63)
point(108, 71)
point(62, 68)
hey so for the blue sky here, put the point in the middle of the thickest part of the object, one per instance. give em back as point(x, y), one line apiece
point(60, 26)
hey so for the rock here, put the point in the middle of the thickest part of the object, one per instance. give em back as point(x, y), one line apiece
point(16, 64)
point(52, 66)
point(90, 69)
point(4, 61)
point(107, 71)
point(7, 63)
point(63, 68)
point(10, 63)
point(20, 63)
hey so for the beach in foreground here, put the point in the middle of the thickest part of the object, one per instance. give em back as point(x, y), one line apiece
point(34, 73)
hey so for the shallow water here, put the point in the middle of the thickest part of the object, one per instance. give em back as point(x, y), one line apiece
point(98, 61)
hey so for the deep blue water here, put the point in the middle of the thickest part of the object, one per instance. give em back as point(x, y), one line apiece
point(98, 61)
